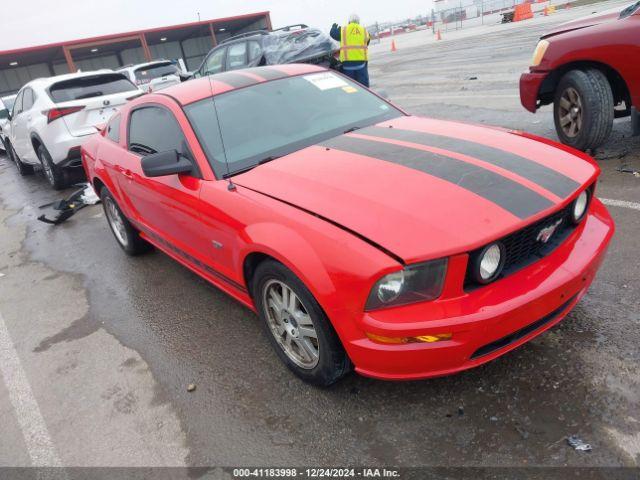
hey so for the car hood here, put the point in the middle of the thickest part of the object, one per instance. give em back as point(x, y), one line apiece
point(585, 22)
point(422, 188)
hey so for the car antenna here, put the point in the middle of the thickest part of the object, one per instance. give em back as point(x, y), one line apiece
point(231, 186)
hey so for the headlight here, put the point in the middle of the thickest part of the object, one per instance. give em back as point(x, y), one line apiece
point(580, 207)
point(538, 53)
point(415, 283)
point(488, 263)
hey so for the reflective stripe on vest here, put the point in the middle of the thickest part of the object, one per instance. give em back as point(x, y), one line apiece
point(353, 43)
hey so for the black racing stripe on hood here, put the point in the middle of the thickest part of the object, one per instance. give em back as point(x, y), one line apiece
point(235, 80)
point(507, 194)
point(546, 177)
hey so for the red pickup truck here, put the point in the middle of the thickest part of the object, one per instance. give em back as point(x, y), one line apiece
point(590, 70)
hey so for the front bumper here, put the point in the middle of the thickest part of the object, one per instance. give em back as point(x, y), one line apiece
point(529, 88)
point(490, 321)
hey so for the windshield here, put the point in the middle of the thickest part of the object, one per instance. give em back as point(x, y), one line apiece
point(279, 117)
point(629, 10)
point(90, 87)
point(148, 73)
point(8, 102)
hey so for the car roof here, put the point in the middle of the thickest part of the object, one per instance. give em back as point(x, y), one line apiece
point(200, 88)
point(48, 81)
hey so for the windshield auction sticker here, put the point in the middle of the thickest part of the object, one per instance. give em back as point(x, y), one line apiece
point(325, 81)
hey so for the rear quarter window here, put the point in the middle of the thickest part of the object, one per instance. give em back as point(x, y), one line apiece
point(113, 129)
point(90, 87)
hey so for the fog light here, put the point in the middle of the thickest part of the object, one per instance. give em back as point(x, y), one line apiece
point(580, 207)
point(487, 265)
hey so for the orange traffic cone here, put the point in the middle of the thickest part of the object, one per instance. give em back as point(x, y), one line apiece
point(393, 46)
point(438, 35)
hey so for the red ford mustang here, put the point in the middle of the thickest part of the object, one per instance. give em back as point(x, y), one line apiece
point(401, 246)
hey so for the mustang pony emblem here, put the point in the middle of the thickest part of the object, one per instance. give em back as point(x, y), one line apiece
point(547, 232)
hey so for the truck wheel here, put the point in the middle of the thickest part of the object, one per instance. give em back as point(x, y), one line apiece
point(23, 168)
point(55, 175)
point(583, 109)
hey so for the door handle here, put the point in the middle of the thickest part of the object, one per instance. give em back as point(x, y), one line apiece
point(127, 173)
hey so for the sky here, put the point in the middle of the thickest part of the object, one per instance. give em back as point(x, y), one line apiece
point(25, 23)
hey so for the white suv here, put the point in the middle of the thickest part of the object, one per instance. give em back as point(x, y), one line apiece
point(52, 117)
point(153, 76)
point(6, 104)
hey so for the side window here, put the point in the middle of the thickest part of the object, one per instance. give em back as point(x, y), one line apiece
point(113, 129)
point(17, 106)
point(255, 52)
point(213, 64)
point(154, 130)
point(28, 100)
point(237, 56)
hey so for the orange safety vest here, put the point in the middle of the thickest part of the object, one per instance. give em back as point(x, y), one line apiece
point(354, 40)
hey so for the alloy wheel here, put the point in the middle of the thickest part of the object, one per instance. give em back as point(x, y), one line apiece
point(570, 110)
point(291, 324)
point(116, 221)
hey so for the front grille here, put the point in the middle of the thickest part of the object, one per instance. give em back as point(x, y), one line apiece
point(523, 332)
point(522, 248)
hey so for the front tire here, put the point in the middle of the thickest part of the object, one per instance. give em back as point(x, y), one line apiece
point(297, 327)
point(126, 235)
point(23, 168)
point(53, 173)
point(583, 109)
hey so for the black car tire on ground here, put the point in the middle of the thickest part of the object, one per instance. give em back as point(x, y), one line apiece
point(127, 236)
point(23, 168)
point(583, 109)
point(333, 362)
point(54, 175)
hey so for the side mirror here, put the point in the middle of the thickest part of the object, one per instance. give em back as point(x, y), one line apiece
point(4, 114)
point(184, 76)
point(165, 163)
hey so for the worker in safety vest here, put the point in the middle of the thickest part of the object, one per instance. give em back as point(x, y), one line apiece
point(354, 49)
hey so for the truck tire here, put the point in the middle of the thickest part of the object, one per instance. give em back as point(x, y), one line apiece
point(583, 109)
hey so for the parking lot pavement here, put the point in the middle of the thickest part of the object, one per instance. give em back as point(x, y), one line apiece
point(98, 348)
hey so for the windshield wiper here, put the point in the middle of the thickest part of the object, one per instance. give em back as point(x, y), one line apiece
point(269, 159)
point(251, 167)
point(352, 129)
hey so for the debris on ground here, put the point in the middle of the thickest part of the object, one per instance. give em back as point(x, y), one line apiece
point(521, 431)
point(473, 78)
point(60, 211)
point(635, 173)
point(577, 444)
point(191, 387)
point(616, 155)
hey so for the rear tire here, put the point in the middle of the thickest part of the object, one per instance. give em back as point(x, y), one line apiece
point(54, 174)
point(583, 109)
point(23, 168)
point(126, 235)
point(313, 350)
